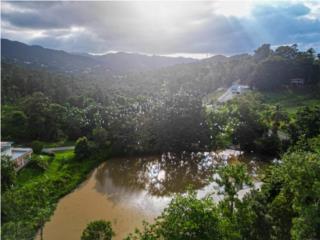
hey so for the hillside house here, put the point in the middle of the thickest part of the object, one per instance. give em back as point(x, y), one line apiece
point(20, 156)
point(238, 89)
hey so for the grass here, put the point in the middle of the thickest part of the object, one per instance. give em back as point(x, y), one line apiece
point(32, 172)
point(291, 100)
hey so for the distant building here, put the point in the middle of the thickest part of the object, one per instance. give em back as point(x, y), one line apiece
point(235, 89)
point(238, 89)
point(20, 156)
point(298, 82)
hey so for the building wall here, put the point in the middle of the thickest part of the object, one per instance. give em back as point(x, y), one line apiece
point(7, 152)
point(21, 161)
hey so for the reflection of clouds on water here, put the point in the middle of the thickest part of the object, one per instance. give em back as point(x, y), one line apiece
point(148, 183)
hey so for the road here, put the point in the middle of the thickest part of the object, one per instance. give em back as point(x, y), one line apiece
point(57, 149)
point(228, 95)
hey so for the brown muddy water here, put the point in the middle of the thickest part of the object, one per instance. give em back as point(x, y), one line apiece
point(128, 190)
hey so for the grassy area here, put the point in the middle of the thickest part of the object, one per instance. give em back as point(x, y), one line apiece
point(291, 100)
point(32, 201)
point(31, 172)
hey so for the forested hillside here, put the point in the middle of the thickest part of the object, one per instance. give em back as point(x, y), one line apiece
point(37, 57)
point(142, 111)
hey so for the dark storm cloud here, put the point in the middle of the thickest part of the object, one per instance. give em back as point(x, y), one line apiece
point(161, 28)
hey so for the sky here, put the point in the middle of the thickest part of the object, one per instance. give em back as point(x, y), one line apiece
point(182, 28)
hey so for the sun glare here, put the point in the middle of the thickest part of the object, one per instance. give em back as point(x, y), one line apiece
point(233, 8)
point(163, 15)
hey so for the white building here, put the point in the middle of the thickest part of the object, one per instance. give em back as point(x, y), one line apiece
point(238, 89)
point(20, 156)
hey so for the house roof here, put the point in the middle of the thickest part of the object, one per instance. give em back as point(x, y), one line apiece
point(5, 145)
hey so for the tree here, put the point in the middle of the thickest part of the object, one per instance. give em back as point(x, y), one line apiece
point(100, 136)
point(308, 121)
point(15, 125)
point(248, 125)
point(232, 178)
point(262, 52)
point(37, 146)
point(301, 187)
point(36, 108)
point(8, 173)
point(98, 230)
point(82, 148)
point(287, 52)
point(186, 218)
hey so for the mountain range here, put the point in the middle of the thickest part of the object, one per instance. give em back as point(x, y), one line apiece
point(57, 60)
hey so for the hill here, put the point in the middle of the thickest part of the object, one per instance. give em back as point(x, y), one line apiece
point(57, 60)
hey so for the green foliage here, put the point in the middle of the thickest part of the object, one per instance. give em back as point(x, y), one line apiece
point(14, 124)
point(186, 217)
point(37, 146)
point(301, 186)
point(179, 124)
point(268, 145)
point(40, 162)
point(100, 136)
point(27, 206)
point(291, 100)
point(8, 173)
point(287, 206)
point(82, 148)
point(98, 230)
point(307, 123)
point(232, 178)
point(275, 69)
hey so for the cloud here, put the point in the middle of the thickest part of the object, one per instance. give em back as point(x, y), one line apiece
point(226, 27)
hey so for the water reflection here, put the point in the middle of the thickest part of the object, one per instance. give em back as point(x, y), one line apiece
point(162, 175)
point(127, 191)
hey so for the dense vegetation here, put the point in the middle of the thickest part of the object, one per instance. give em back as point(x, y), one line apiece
point(163, 110)
point(99, 230)
point(286, 207)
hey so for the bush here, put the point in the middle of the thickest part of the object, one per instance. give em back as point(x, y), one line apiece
point(185, 218)
point(40, 162)
point(100, 137)
point(37, 146)
point(268, 145)
point(82, 149)
point(8, 173)
point(98, 230)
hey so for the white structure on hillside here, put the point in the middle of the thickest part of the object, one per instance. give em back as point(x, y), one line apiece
point(232, 91)
point(20, 156)
point(238, 89)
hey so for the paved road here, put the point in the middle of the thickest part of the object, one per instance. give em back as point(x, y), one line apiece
point(57, 149)
point(228, 95)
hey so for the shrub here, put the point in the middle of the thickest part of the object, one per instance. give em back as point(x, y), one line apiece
point(100, 137)
point(8, 173)
point(98, 230)
point(37, 146)
point(82, 149)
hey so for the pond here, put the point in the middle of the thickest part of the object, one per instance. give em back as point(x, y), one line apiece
point(128, 190)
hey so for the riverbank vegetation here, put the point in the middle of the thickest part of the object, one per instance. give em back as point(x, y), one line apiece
point(286, 207)
point(31, 199)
